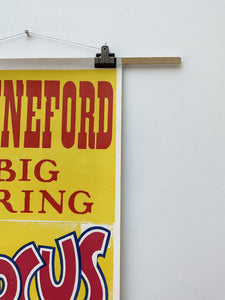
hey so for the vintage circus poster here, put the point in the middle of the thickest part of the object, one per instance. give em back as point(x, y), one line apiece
point(60, 140)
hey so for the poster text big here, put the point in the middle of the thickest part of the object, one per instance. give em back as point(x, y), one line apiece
point(8, 174)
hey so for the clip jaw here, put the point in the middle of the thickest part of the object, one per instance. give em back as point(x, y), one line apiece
point(105, 59)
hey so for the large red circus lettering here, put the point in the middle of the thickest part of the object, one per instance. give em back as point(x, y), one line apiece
point(78, 261)
point(68, 285)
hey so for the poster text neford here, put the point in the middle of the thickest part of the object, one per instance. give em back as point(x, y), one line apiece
point(52, 97)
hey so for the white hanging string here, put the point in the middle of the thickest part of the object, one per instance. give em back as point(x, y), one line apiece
point(29, 33)
point(11, 36)
point(62, 40)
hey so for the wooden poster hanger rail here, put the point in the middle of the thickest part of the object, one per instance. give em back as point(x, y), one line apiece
point(127, 61)
point(105, 59)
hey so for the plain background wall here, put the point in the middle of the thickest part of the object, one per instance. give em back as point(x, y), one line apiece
point(173, 168)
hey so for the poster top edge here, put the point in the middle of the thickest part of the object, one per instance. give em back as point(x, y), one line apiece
point(48, 63)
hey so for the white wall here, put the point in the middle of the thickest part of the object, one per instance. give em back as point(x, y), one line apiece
point(173, 224)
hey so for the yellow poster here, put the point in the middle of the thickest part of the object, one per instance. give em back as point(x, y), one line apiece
point(59, 184)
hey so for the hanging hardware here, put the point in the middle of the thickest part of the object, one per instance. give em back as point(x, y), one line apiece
point(105, 59)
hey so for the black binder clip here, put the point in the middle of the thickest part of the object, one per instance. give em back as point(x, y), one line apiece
point(105, 59)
